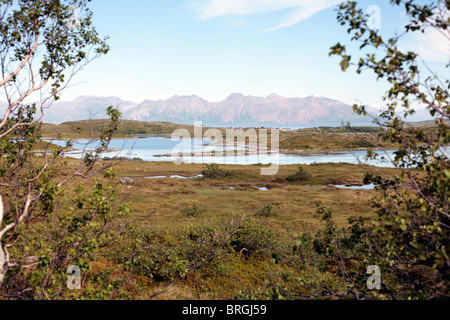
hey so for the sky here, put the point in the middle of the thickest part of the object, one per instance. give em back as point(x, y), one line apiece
point(212, 48)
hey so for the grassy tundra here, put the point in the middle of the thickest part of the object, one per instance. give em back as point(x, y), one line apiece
point(224, 248)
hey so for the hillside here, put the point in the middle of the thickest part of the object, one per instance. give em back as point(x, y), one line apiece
point(91, 128)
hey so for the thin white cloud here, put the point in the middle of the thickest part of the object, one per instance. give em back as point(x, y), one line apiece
point(308, 9)
point(431, 45)
point(303, 9)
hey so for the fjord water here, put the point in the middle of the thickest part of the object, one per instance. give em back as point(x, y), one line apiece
point(148, 149)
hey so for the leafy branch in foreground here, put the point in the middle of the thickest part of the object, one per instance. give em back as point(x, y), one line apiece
point(410, 235)
point(48, 218)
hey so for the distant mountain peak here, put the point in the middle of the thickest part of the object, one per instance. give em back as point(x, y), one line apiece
point(191, 97)
point(236, 95)
point(274, 95)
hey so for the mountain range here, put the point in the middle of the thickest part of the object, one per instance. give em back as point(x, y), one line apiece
point(235, 109)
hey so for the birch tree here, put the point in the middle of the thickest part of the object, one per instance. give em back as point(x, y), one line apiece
point(43, 45)
point(409, 235)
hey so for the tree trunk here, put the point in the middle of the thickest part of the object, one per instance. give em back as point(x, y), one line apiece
point(4, 263)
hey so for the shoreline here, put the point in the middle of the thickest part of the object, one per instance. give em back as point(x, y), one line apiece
point(282, 151)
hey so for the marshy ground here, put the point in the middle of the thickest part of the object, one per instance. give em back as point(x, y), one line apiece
point(175, 243)
point(156, 198)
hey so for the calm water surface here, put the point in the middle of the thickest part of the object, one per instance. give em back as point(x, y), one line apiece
point(148, 148)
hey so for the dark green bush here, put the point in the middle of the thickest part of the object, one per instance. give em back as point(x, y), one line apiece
point(135, 131)
point(299, 176)
point(254, 237)
point(213, 171)
point(154, 254)
point(166, 256)
point(267, 211)
point(360, 144)
point(192, 211)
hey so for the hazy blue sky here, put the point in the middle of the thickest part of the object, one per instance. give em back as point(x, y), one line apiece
point(213, 48)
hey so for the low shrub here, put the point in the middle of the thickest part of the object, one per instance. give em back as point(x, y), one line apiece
point(253, 237)
point(166, 256)
point(299, 176)
point(267, 211)
point(152, 254)
point(213, 171)
point(192, 211)
point(360, 144)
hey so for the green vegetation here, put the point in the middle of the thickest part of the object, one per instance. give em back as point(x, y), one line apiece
point(192, 211)
point(317, 139)
point(267, 211)
point(410, 235)
point(86, 129)
point(213, 171)
point(49, 219)
point(300, 176)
